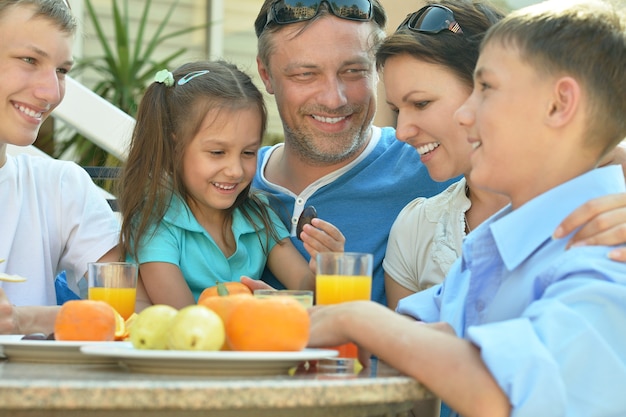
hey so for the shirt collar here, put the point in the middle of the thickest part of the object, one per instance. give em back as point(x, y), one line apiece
point(535, 221)
point(179, 214)
point(325, 180)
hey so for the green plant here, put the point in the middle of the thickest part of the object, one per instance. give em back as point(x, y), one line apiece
point(124, 69)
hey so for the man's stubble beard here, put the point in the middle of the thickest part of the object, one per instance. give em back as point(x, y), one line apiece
point(340, 146)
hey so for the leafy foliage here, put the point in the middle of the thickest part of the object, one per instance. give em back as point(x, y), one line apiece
point(124, 69)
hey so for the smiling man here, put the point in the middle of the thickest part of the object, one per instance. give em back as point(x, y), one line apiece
point(319, 64)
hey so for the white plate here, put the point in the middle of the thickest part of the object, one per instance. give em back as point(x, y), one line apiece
point(47, 351)
point(204, 362)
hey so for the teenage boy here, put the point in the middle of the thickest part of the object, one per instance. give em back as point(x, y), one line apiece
point(53, 217)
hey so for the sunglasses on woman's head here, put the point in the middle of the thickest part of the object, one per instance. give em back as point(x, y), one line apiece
point(431, 19)
point(284, 12)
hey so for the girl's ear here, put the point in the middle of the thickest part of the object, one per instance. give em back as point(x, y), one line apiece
point(565, 102)
point(265, 76)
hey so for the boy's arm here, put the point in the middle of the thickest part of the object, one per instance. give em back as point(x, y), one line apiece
point(448, 366)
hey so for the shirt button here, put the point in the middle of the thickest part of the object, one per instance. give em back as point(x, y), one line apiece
point(300, 201)
point(294, 220)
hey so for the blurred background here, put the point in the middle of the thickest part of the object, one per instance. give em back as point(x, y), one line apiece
point(122, 43)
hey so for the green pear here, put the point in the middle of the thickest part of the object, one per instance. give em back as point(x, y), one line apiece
point(150, 329)
point(196, 327)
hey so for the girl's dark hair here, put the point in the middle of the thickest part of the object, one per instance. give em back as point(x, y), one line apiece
point(455, 51)
point(168, 118)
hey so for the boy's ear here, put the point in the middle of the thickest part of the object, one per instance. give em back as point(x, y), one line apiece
point(565, 102)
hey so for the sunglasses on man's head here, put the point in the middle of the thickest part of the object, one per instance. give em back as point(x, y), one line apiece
point(284, 12)
point(431, 19)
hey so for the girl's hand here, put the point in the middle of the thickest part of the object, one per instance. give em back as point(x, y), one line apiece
point(321, 236)
point(255, 284)
point(603, 222)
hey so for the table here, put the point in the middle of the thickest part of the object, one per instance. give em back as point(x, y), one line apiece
point(104, 390)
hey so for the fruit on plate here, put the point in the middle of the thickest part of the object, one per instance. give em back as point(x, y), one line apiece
point(196, 327)
point(223, 306)
point(224, 288)
point(121, 329)
point(268, 324)
point(150, 328)
point(85, 320)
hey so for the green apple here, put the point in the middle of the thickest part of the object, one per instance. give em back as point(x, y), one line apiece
point(150, 329)
point(196, 327)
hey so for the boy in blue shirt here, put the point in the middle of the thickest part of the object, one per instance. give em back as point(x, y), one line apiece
point(521, 326)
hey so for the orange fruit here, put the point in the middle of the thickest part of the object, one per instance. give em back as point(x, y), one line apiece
point(268, 324)
point(85, 320)
point(129, 321)
point(224, 288)
point(120, 327)
point(224, 305)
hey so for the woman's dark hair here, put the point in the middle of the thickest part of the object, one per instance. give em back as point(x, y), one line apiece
point(456, 51)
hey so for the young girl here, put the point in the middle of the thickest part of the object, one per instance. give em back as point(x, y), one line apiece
point(428, 74)
point(190, 218)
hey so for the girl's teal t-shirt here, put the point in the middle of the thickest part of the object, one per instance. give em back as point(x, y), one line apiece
point(180, 240)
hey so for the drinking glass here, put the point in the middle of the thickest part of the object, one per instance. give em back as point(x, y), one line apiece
point(114, 283)
point(343, 277)
point(304, 297)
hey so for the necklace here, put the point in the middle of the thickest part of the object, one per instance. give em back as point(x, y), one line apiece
point(467, 226)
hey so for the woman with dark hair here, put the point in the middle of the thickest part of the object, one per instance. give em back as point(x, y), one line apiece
point(427, 67)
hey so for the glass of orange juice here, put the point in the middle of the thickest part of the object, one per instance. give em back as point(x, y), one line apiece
point(114, 283)
point(343, 277)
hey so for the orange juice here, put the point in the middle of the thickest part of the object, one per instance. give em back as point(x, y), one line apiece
point(121, 299)
point(334, 289)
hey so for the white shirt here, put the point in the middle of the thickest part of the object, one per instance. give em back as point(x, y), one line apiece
point(52, 218)
point(426, 238)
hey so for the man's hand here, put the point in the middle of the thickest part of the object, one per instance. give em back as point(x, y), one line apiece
point(321, 236)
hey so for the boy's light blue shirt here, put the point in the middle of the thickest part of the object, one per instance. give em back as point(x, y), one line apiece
point(180, 240)
point(550, 323)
